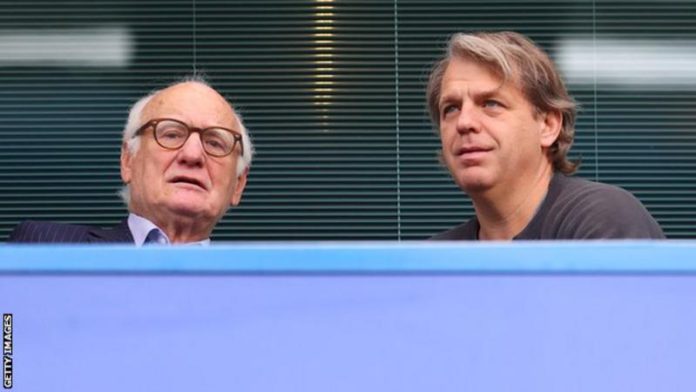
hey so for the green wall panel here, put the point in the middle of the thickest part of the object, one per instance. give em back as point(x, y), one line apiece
point(333, 95)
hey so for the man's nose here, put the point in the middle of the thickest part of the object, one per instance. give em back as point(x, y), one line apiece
point(192, 152)
point(468, 119)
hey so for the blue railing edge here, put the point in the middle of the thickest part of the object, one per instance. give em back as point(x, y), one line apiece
point(533, 257)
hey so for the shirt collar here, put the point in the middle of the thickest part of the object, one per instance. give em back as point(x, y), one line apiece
point(140, 227)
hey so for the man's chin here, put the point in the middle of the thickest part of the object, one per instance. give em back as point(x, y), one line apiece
point(189, 208)
point(474, 181)
point(474, 186)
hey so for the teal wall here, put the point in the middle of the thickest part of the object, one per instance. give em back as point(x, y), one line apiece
point(333, 94)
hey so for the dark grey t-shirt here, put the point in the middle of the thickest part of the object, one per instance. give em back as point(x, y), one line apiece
point(576, 209)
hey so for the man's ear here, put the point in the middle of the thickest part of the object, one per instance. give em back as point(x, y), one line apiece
point(551, 128)
point(126, 159)
point(239, 188)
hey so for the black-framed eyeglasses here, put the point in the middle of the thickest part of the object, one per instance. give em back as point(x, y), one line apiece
point(173, 134)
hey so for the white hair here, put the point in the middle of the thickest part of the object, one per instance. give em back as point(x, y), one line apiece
point(135, 121)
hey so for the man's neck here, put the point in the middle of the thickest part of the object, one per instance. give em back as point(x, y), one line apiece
point(185, 231)
point(504, 213)
point(182, 230)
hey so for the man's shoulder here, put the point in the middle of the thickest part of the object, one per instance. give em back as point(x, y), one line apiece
point(567, 184)
point(583, 209)
point(52, 232)
point(47, 232)
point(591, 195)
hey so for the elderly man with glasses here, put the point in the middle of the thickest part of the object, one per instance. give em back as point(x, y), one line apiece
point(184, 161)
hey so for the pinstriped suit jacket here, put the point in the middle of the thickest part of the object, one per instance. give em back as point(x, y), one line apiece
point(49, 232)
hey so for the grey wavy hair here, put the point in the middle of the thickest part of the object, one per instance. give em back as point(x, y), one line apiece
point(135, 121)
point(514, 57)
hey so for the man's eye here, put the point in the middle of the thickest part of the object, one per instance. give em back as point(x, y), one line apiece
point(172, 134)
point(492, 103)
point(216, 144)
point(449, 109)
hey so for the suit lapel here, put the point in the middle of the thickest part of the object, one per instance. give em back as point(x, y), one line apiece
point(118, 234)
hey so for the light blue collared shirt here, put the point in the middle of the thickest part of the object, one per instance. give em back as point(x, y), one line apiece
point(141, 227)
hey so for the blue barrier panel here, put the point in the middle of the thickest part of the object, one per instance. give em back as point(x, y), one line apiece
point(617, 316)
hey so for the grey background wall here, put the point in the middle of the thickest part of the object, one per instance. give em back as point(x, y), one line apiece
point(333, 93)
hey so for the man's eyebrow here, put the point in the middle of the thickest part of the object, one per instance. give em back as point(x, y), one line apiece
point(476, 95)
point(447, 97)
point(483, 94)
